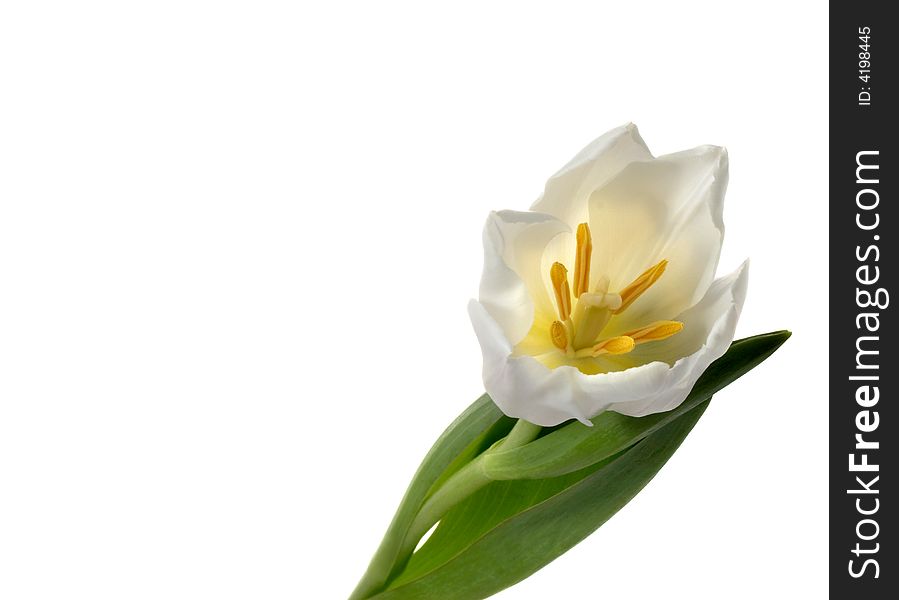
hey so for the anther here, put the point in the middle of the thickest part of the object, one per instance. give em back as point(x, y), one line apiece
point(559, 276)
point(559, 335)
point(659, 330)
point(642, 283)
point(621, 344)
point(582, 260)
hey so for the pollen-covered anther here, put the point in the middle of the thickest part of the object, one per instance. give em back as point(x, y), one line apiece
point(621, 344)
point(559, 276)
point(639, 285)
point(582, 258)
point(559, 335)
point(659, 330)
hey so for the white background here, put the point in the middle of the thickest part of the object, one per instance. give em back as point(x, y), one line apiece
point(236, 245)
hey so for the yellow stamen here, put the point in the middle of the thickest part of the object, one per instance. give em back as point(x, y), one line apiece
point(559, 276)
point(641, 284)
point(559, 335)
point(659, 330)
point(621, 344)
point(582, 260)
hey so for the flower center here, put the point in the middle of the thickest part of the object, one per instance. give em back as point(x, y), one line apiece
point(578, 332)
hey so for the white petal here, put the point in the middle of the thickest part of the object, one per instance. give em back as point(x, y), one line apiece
point(708, 332)
point(665, 208)
point(520, 386)
point(566, 192)
point(524, 388)
point(512, 284)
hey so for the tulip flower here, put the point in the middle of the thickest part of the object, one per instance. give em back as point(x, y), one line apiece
point(602, 296)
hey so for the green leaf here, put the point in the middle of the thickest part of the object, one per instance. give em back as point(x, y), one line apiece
point(476, 429)
point(575, 446)
point(509, 530)
point(573, 478)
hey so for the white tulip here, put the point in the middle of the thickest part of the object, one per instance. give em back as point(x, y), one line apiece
point(602, 296)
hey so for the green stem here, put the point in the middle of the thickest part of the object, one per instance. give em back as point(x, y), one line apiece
point(523, 433)
point(468, 480)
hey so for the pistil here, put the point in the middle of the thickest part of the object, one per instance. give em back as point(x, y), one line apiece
point(577, 332)
point(592, 315)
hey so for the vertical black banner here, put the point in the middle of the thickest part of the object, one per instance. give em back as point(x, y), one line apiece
point(864, 372)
